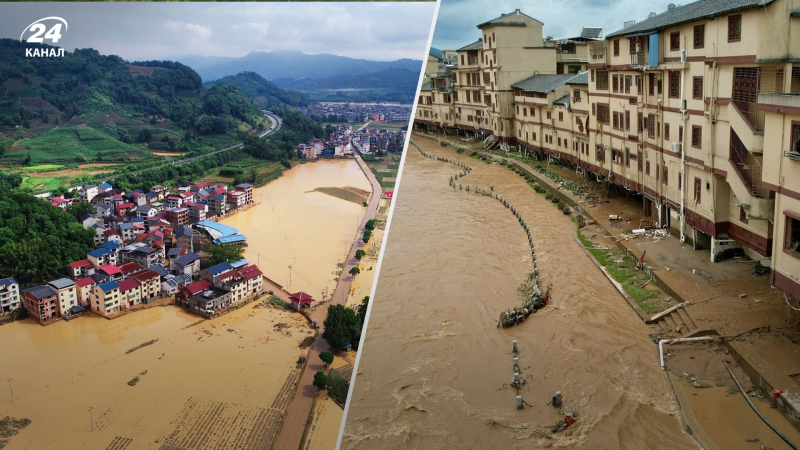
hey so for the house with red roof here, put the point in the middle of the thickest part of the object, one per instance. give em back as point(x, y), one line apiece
point(150, 284)
point(82, 268)
point(123, 208)
point(130, 293)
point(108, 272)
point(301, 300)
point(60, 202)
point(83, 288)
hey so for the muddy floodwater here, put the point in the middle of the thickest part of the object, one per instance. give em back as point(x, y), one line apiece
point(294, 226)
point(164, 379)
point(435, 369)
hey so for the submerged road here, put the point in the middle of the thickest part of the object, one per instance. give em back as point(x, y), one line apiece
point(294, 424)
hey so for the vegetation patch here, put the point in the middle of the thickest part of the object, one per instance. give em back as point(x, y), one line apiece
point(342, 193)
point(10, 426)
point(142, 345)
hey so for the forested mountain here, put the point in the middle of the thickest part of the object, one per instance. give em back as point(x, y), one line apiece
point(262, 91)
point(401, 80)
point(292, 64)
point(90, 107)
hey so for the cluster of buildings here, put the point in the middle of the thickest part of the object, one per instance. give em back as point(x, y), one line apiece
point(371, 141)
point(220, 286)
point(696, 109)
point(359, 112)
point(146, 250)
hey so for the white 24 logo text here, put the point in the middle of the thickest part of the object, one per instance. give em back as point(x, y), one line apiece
point(38, 29)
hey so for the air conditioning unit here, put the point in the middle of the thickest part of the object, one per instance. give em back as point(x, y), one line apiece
point(676, 147)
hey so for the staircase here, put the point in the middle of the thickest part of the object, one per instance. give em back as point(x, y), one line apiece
point(677, 323)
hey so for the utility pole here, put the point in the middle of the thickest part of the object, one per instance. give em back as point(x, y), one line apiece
point(290, 275)
point(12, 389)
point(91, 418)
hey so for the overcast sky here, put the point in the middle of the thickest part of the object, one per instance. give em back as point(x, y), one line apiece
point(456, 26)
point(137, 31)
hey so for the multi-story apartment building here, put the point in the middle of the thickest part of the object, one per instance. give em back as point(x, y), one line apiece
point(247, 188)
point(130, 293)
point(9, 295)
point(84, 288)
point(42, 304)
point(177, 216)
point(694, 109)
point(217, 206)
point(67, 294)
point(150, 284)
point(105, 298)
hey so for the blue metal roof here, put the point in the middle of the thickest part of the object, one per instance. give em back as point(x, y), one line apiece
point(230, 239)
point(109, 286)
point(99, 252)
point(240, 263)
point(219, 268)
point(7, 281)
point(216, 229)
point(110, 245)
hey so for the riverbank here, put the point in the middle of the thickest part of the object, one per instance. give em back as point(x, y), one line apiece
point(431, 373)
point(722, 298)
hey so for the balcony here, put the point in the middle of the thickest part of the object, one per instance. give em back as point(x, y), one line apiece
point(748, 83)
point(639, 59)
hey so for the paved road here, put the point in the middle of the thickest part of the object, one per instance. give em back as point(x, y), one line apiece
point(300, 407)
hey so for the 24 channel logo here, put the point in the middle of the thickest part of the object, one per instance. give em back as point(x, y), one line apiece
point(39, 33)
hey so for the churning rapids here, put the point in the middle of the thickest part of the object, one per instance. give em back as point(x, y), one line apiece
point(435, 368)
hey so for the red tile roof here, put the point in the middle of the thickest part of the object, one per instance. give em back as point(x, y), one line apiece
point(196, 287)
point(83, 282)
point(110, 233)
point(110, 269)
point(81, 263)
point(127, 285)
point(129, 267)
point(145, 275)
point(252, 274)
point(301, 297)
point(230, 273)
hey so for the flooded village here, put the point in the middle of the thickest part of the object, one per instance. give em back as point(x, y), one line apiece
point(152, 341)
point(653, 178)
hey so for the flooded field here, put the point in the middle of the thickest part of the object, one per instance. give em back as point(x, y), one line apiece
point(435, 369)
point(238, 365)
point(295, 226)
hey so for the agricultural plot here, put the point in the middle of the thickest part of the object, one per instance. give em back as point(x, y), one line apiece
point(384, 171)
point(63, 145)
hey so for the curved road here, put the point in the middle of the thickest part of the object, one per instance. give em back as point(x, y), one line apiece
point(275, 124)
point(294, 423)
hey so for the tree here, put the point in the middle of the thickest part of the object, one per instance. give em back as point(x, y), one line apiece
point(362, 310)
point(320, 380)
point(145, 135)
point(370, 225)
point(27, 161)
point(355, 271)
point(221, 253)
point(360, 254)
point(326, 357)
point(367, 235)
point(341, 327)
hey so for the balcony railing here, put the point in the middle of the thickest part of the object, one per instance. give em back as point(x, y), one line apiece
point(638, 58)
point(472, 61)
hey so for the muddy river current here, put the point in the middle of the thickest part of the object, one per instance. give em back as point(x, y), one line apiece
point(435, 369)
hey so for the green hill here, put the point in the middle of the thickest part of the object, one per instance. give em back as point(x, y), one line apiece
point(265, 93)
point(88, 107)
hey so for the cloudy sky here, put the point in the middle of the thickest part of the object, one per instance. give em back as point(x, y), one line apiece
point(137, 31)
point(562, 18)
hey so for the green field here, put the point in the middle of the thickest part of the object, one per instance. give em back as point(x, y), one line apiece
point(43, 168)
point(63, 145)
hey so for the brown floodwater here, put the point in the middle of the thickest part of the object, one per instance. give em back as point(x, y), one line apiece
point(295, 226)
point(222, 383)
point(435, 369)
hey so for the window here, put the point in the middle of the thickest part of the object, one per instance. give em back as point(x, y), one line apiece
point(525, 112)
point(675, 41)
point(647, 168)
point(616, 47)
point(665, 175)
point(576, 93)
point(599, 153)
point(795, 138)
point(674, 84)
point(651, 126)
point(560, 116)
point(614, 84)
point(639, 160)
point(603, 113)
point(628, 81)
point(666, 131)
point(627, 157)
point(697, 87)
point(559, 142)
point(699, 36)
point(592, 75)
point(462, 60)
point(651, 83)
point(549, 115)
point(697, 136)
point(697, 184)
point(680, 133)
point(735, 28)
point(680, 181)
point(792, 233)
point(628, 120)
point(615, 123)
point(602, 80)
